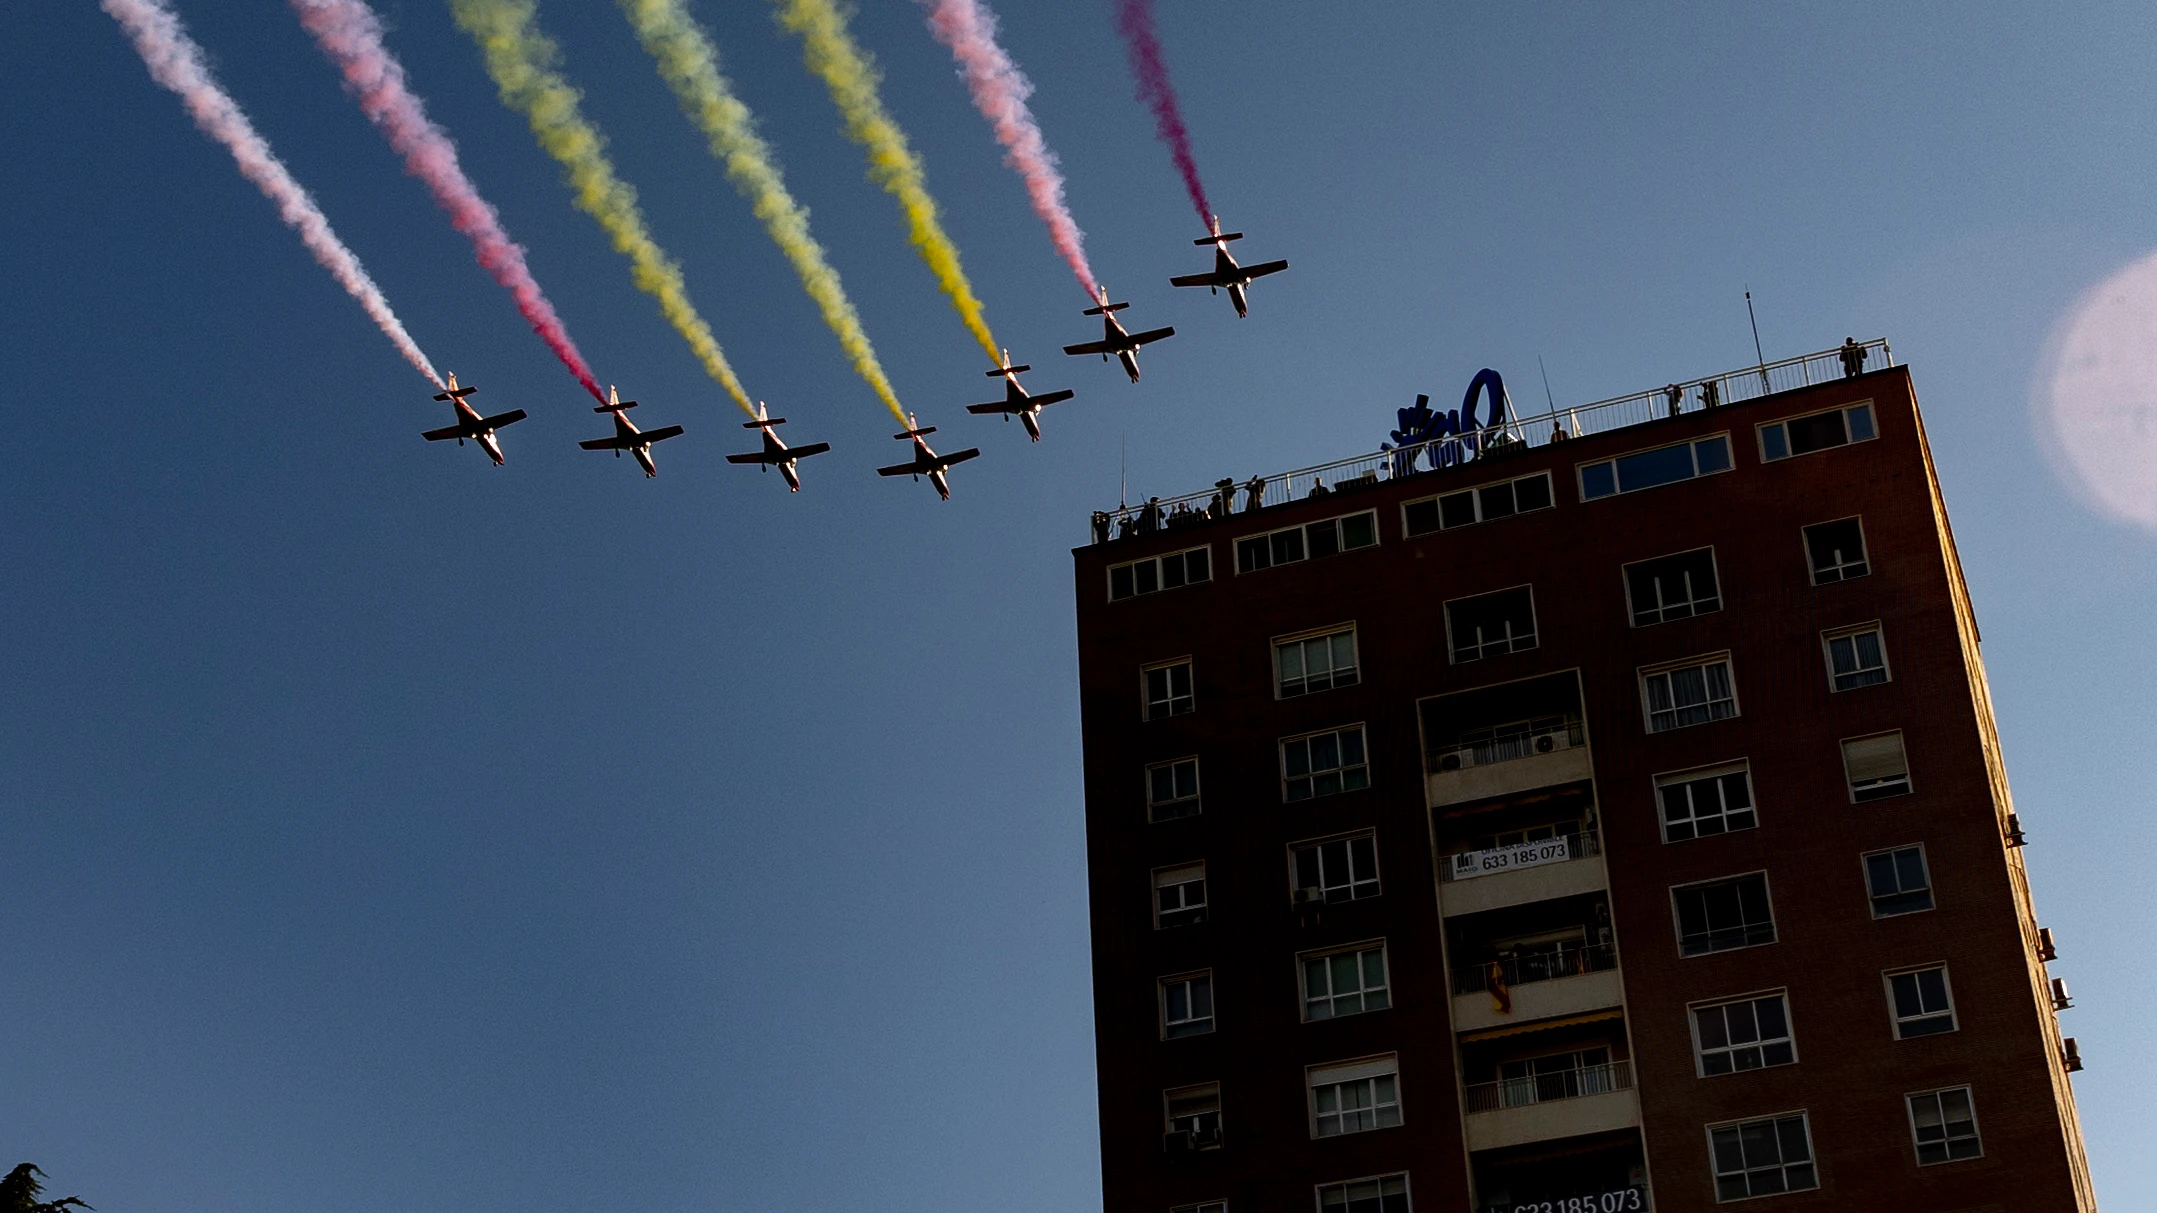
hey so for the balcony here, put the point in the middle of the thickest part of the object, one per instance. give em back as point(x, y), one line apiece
point(1495, 877)
point(1566, 1103)
point(1504, 759)
point(1569, 980)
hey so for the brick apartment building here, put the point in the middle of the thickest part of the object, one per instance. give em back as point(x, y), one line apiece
point(1602, 824)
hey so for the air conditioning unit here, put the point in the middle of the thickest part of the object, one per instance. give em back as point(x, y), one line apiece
point(2071, 1053)
point(2046, 949)
point(2014, 830)
point(2060, 999)
point(1310, 897)
point(1449, 762)
point(1553, 741)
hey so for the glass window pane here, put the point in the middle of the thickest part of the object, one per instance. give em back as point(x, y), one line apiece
point(1712, 454)
point(1352, 747)
point(1496, 500)
point(1647, 469)
point(1457, 509)
point(1531, 493)
point(1149, 576)
point(1325, 751)
point(1198, 564)
point(1772, 443)
point(1420, 517)
point(1359, 531)
point(1119, 582)
point(1597, 480)
point(1324, 539)
point(1860, 422)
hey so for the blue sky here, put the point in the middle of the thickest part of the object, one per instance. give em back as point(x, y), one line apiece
point(383, 825)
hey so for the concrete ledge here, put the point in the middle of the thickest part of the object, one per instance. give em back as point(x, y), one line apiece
point(1548, 1121)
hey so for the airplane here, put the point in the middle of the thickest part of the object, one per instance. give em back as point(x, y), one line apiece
point(927, 462)
point(1017, 402)
point(470, 424)
point(1225, 270)
point(627, 437)
point(776, 453)
point(1114, 340)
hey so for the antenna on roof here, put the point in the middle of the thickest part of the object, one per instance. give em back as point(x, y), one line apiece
point(1756, 340)
point(1547, 397)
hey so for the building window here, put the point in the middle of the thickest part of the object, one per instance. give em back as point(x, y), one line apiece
point(1308, 542)
point(1748, 1034)
point(1836, 551)
point(1673, 587)
point(1345, 983)
point(1818, 432)
point(1945, 1126)
point(1922, 1003)
point(1168, 690)
point(1194, 1117)
point(1697, 804)
point(1179, 896)
point(1762, 1157)
point(1186, 1005)
point(1648, 469)
point(1898, 881)
point(1720, 915)
point(1341, 869)
point(1355, 1097)
point(1856, 657)
point(1693, 692)
point(1483, 503)
point(1491, 625)
point(1160, 573)
point(1315, 663)
point(1385, 1194)
point(1172, 789)
point(1324, 763)
point(1876, 767)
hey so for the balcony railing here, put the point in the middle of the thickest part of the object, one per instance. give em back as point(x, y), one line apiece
point(1511, 436)
point(1508, 743)
point(1566, 960)
point(1547, 1088)
point(1562, 848)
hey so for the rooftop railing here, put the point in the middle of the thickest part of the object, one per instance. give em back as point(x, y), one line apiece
point(1511, 435)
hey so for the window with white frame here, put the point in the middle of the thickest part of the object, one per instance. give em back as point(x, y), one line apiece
point(1836, 550)
point(1304, 664)
point(1876, 767)
point(1719, 915)
point(1168, 689)
point(1349, 981)
point(1694, 691)
point(1673, 587)
point(1186, 1005)
point(1156, 573)
point(1355, 1097)
point(1856, 657)
point(1652, 468)
point(1326, 537)
point(1321, 764)
point(1380, 1194)
point(1483, 503)
point(1898, 881)
point(1194, 1116)
point(1743, 1034)
point(1490, 625)
point(1179, 895)
point(1338, 869)
point(1816, 432)
point(1172, 789)
point(1697, 804)
point(1921, 1002)
point(1944, 1126)
point(1762, 1157)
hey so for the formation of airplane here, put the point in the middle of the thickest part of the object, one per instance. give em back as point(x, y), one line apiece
point(776, 453)
point(927, 462)
point(470, 424)
point(626, 436)
point(1017, 401)
point(1226, 273)
point(1114, 340)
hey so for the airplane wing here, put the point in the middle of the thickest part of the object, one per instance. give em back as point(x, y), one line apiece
point(501, 419)
point(803, 452)
point(1052, 397)
point(902, 469)
point(1089, 347)
point(661, 434)
point(959, 456)
point(752, 457)
point(993, 407)
point(1199, 279)
point(447, 431)
point(616, 443)
point(1263, 268)
point(1151, 335)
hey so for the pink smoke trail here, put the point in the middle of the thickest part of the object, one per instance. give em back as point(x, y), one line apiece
point(351, 35)
point(175, 61)
point(1134, 20)
point(1000, 91)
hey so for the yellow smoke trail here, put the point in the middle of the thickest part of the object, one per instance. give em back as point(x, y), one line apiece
point(522, 62)
point(690, 65)
point(831, 53)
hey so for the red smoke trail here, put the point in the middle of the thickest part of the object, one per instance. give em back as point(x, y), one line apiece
point(175, 61)
point(1134, 20)
point(351, 35)
point(1000, 90)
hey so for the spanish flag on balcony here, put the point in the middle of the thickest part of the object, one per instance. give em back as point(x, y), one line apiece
point(1501, 999)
